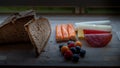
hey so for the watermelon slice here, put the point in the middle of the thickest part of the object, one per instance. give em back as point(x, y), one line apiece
point(98, 40)
point(88, 31)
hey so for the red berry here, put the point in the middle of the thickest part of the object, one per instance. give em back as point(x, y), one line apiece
point(71, 45)
point(68, 54)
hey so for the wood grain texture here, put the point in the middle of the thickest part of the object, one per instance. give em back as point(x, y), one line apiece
point(23, 54)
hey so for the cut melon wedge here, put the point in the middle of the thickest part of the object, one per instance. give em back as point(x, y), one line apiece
point(102, 22)
point(94, 27)
point(80, 34)
point(59, 36)
point(88, 31)
point(65, 32)
point(98, 40)
point(71, 32)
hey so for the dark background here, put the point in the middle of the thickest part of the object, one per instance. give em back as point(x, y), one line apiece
point(60, 3)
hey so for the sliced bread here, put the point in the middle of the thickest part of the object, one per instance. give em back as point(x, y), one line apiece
point(12, 29)
point(39, 31)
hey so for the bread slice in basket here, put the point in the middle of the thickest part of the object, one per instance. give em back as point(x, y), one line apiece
point(12, 29)
point(39, 31)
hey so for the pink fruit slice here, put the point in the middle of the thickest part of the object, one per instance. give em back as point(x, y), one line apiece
point(98, 40)
point(87, 31)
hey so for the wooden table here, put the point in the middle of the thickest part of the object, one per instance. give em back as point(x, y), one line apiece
point(23, 53)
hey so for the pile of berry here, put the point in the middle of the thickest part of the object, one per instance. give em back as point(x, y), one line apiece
point(72, 51)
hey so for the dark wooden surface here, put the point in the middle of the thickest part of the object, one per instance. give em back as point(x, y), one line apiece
point(23, 54)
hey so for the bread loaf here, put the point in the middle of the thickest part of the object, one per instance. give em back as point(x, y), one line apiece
point(12, 29)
